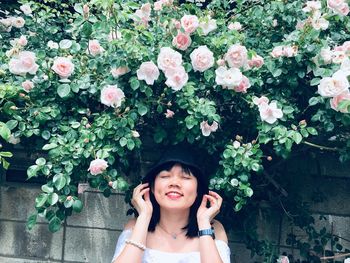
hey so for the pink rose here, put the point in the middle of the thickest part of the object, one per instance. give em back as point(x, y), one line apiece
point(235, 26)
point(228, 78)
point(143, 15)
point(236, 56)
point(169, 114)
point(202, 59)
point(158, 5)
point(148, 71)
point(346, 46)
point(335, 4)
point(112, 96)
point(22, 41)
point(220, 62)
point(333, 86)
point(18, 22)
point(277, 52)
point(312, 6)
point(135, 134)
point(270, 113)
point(182, 41)
point(337, 99)
point(243, 86)
point(63, 67)
point(176, 78)
point(97, 166)
point(318, 22)
point(27, 85)
point(260, 101)
point(23, 63)
point(300, 25)
point(289, 51)
point(256, 61)
point(120, 71)
point(26, 9)
point(326, 55)
point(177, 24)
point(189, 23)
point(94, 48)
point(208, 129)
point(282, 259)
point(86, 11)
point(168, 59)
point(338, 56)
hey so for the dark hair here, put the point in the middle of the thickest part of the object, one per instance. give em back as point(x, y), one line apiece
point(192, 226)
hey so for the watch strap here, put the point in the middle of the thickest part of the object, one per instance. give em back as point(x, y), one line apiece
point(207, 232)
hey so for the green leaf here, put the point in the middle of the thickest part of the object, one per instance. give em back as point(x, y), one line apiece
point(142, 109)
point(123, 141)
point(134, 83)
point(53, 198)
point(46, 135)
point(40, 200)
point(77, 206)
point(40, 161)
point(31, 222)
point(11, 124)
point(32, 171)
point(55, 224)
point(63, 90)
point(87, 29)
point(297, 137)
point(6, 154)
point(130, 144)
point(315, 81)
point(312, 130)
point(5, 132)
point(47, 189)
point(288, 109)
point(313, 101)
point(49, 146)
point(59, 181)
point(277, 72)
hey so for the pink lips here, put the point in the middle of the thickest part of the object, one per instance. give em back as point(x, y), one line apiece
point(174, 195)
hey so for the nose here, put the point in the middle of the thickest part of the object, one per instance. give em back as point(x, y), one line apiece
point(174, 182)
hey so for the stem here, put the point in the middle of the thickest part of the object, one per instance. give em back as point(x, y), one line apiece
point(321, 147)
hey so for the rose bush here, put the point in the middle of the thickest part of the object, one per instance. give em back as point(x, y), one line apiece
point(248, 83)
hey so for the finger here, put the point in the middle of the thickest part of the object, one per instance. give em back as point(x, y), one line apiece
point(139, 187)
point(212, 200)
point(146, 190)
point(146, 196)
point(204, 201)
point(217, 196)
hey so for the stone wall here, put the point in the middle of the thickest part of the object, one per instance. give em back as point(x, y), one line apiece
point(91, 235)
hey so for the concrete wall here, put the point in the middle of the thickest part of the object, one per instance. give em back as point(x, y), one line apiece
point(91, 235)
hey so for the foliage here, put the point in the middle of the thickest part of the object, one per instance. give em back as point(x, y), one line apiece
point(80, 95)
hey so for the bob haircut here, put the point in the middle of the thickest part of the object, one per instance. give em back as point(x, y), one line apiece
point(202, 189)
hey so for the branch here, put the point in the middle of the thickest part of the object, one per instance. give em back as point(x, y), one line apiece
point(336, 256)
point(321, 147)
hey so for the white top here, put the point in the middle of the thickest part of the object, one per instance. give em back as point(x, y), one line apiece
point(157, 256)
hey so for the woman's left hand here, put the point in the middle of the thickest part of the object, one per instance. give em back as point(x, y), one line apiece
point(206, 214)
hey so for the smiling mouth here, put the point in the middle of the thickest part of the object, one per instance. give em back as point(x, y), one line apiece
point(173, 195)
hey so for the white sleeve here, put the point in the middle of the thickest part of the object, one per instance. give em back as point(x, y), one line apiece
point(121, 243)
point(224, 250)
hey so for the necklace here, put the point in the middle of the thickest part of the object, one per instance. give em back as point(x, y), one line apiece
point(173, 235)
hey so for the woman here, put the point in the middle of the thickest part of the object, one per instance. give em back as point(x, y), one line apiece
point(175, 216)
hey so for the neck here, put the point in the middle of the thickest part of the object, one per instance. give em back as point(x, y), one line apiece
point(173, 221)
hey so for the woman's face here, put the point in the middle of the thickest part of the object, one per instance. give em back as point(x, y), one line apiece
point(175, 189)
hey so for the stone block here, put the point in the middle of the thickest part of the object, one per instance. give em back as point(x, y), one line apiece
point(24, 260)
point(16, 240)
point(240, 254)
point(90, 245)
point(17, 202)
point(330, 166)
point(101, 212)
point(338, 225)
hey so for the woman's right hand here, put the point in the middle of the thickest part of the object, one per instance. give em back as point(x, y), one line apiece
point(141, 200)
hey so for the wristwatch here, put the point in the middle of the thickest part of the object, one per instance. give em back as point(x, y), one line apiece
point(207, 232)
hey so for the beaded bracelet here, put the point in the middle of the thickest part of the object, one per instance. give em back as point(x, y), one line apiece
point(136, 244)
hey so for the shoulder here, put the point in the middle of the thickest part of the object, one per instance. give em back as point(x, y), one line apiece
point(130, 224)
point(220, 232)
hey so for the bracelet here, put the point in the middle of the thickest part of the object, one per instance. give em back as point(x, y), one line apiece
point(135, 244)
